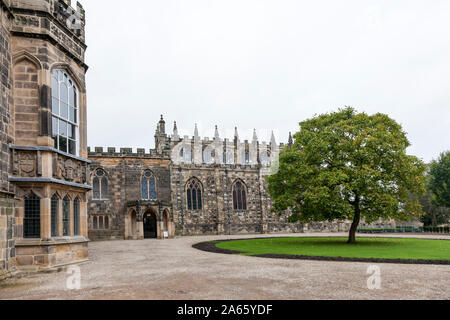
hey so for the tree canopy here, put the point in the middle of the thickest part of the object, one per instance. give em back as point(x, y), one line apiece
point(347, 165)
point(439, 182)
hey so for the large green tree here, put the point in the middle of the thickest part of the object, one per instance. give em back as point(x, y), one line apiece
point(347, 166)
point(439, 182)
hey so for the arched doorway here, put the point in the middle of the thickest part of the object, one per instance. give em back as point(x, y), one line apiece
point(150, 230)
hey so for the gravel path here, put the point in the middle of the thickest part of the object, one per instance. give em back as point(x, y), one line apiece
point(172, 269)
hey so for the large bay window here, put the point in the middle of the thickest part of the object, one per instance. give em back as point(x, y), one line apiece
point(64, 112)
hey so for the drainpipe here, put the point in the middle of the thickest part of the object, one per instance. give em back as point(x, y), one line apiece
point(181, 202)
point(228, 201)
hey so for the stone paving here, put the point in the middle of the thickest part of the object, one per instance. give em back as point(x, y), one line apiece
point(172, 269)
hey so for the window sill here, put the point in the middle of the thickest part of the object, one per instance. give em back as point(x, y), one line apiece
point(51, 241)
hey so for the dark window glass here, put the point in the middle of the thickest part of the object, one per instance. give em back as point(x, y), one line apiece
point(62, 144)
point(148, 186)
point(100, 222)
point(76, 217)
point(32, 217)
point(189, 199)
point(194, 195)
point(144, 189)
point(54, 213)
point(96, 188)
point(194, 200)
point(106, 223)
point(66, 216)
point(239, 196)
point(104, 188)
point(72, 147)
point(95, 223)
point(199, 199)
point(152, 188)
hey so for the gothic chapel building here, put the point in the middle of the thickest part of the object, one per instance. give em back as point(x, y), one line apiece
point(185, 186)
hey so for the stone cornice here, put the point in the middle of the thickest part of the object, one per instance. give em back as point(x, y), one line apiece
point(50, 180)
point(50, 149)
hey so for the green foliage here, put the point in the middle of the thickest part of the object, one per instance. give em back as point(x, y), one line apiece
point(434, 215)
point(439, 182)
point(346, 159)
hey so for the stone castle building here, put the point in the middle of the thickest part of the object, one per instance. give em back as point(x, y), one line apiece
point(44, 177)
point(185, 186)
point(56, 194)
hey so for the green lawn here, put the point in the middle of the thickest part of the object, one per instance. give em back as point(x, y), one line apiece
point(337, 247)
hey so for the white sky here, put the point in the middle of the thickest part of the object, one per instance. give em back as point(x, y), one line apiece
point(265, 64)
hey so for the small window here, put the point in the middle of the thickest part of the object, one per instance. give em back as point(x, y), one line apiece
point(239, 196)
point(32, 217)
point(66, 216)
point(148, 186)
point(100, 185)
point(76, 217)
point(194, 195)
point(54, 213)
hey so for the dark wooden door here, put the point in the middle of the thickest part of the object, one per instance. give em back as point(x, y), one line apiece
point(149, 225)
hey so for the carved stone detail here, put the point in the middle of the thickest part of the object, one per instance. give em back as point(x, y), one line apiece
point(27, 164)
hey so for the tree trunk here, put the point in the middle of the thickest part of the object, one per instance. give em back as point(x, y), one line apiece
point(355, 223)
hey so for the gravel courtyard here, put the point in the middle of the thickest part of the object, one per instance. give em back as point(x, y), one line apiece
point(172, 269)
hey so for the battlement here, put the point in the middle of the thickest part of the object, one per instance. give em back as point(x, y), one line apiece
point(126, 152)
point(70, 18)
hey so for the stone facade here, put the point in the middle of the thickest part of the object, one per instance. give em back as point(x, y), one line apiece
point(122, 205)
point(216, 164)
point(37, 39)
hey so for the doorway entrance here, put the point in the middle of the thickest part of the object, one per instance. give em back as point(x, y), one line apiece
point(150, 225)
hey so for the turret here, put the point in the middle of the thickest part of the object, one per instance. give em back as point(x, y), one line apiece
point(161, 140)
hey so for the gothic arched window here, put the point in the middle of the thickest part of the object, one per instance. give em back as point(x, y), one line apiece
point(54, 215)
point(64, 112)
point(32, 217)
point(100, 185)
point(148, 186)
point(76, 217)
point(66, 216)
point(239, 196)
point(194, 195)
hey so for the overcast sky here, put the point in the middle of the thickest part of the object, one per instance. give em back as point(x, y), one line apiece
point(265, 64)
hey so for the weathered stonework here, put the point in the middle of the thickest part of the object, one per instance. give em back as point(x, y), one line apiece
point(35, 39)
point(124, 171)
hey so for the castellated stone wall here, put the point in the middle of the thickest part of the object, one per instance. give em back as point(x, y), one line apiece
point(123, 171)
